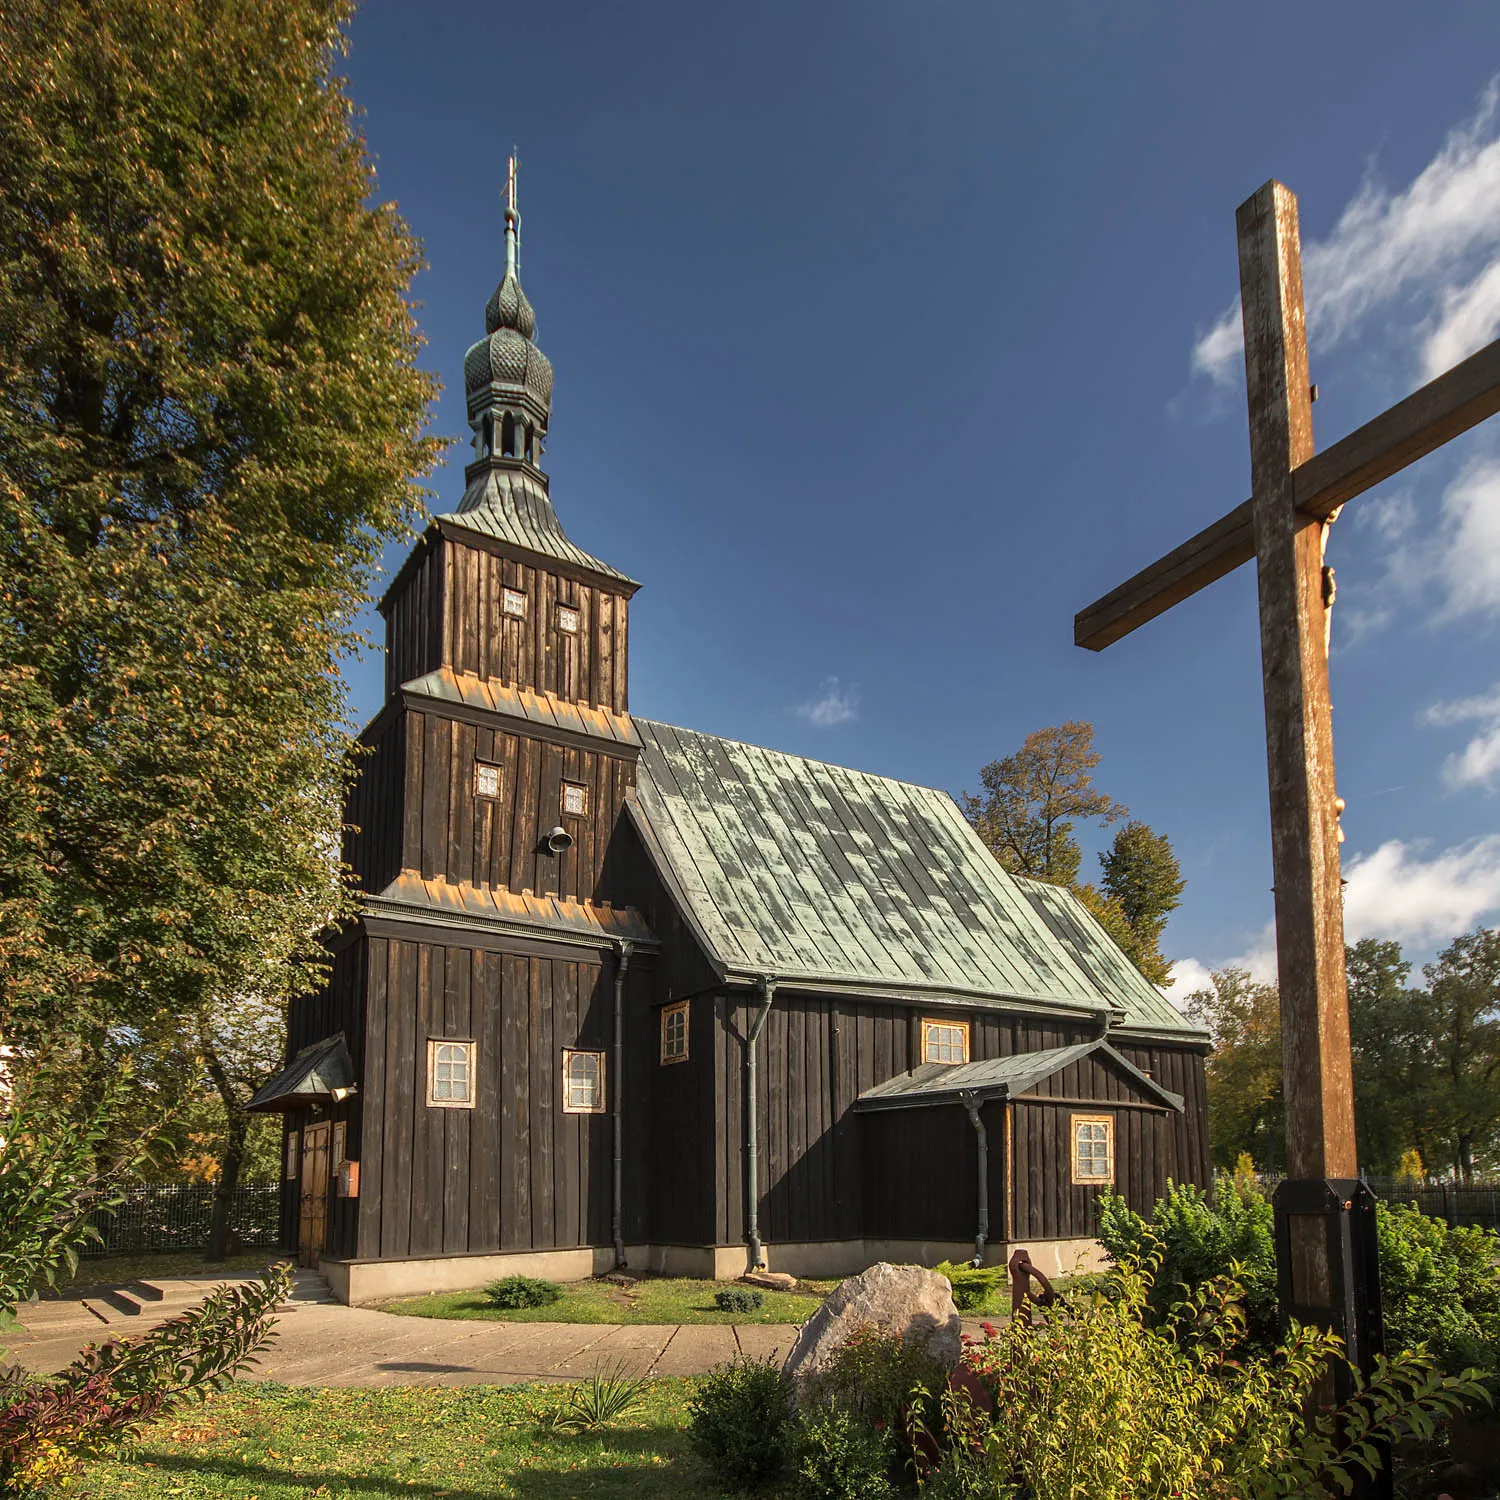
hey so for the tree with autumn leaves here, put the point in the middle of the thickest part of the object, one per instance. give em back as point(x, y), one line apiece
point(1028, 815)
point(211, 418)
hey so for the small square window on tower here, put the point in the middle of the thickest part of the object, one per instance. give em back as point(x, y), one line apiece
point(450, 1074)
point(945, 1041)
point(513, 602)
point(567, 619)
point(486, 779)
point(583, 1083)
point(575, 798)
point(1093, 1148)
point(674, 1032)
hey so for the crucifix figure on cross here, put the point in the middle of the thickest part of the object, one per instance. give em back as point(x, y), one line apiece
point(1325, 1216)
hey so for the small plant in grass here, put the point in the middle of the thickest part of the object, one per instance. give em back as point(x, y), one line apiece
point(842, 1455)
point(741, 1423)
point(738, 1299)
point(606, 1397)
point(972, 1285)
point(514, 1292)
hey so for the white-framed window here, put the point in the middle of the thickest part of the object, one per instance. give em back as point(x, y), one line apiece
point(513, 603)
point(450, 1074)
point(945, 1041)
point(291, 1156)
point(674, 1032)
point(486, 779)
point(575, 798)
point(1093, 1148)
point(582, 1082)
point(567, 619)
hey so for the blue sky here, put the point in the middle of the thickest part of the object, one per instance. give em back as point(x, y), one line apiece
point(889, 336)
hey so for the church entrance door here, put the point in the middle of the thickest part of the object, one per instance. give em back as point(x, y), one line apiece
point(313, 1223)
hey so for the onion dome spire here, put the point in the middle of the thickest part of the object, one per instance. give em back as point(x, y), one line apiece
point(507, 379)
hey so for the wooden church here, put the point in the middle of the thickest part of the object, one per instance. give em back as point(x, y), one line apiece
point(628, 995)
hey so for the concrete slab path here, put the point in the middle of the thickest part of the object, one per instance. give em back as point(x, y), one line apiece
point(322, 1343)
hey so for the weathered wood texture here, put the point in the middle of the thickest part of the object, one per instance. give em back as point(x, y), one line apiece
point(450, 832)
point(514, 1172)
point(827, 1173)
point(448, 610)
point(1299, 726)
point(338, 1006)
point(373, 815)
point(1440, 411)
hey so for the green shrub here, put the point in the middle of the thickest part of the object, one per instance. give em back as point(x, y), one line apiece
point(842, 1456)
point(972, 1286)
point(740, 1423)
point(605, 1397)
point(512, 1292)
point(1440, 1286)
point(1193, 1240)
point(874, 1374)
point(738, 1299)
point(1100, 1396)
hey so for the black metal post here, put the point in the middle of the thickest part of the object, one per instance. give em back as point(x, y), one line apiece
point(1328, 1275)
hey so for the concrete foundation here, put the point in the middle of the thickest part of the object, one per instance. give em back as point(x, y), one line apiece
point(357, 1282)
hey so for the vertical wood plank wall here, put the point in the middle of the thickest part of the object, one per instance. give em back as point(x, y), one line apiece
point(451, 833)
point(514, 1172)
point(829, 1174)
point(449, 611)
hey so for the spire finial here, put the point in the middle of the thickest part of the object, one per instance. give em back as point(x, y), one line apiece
point(512, 220)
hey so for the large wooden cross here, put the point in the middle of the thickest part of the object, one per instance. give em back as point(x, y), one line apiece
point(1295, 495)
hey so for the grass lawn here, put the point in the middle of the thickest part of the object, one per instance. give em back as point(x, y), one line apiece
point(654, 1299)
point(112, 1270)
point(271, 1442)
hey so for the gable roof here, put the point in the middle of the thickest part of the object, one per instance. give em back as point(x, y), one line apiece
point(311, 1077)
point(835, 878)
point(1004, 1078)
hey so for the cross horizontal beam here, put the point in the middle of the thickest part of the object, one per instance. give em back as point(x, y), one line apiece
point(1411, 429)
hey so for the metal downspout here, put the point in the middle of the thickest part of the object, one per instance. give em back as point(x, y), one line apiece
point(971, 1103)
point(752, 1132)
point(617, 1215)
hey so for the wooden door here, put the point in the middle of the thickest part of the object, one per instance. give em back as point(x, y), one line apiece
point(314, 1218)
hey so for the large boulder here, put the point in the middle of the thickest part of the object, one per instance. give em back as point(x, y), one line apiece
point(906, 1300)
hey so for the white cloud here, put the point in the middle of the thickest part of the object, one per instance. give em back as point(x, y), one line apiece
point(1394, 893)
point(1470, 550)
point(835, 704)
point(1478, 763)
point(1430, 252)
point(1390, 893)
point(1190, 974)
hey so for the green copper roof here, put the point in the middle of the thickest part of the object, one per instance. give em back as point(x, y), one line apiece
point(834, 877)
point(1076, 927)
point(513, 506)
point(1006, 1078)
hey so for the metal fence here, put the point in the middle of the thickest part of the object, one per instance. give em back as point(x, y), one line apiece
point(1457, 1203)
point(176, 1216)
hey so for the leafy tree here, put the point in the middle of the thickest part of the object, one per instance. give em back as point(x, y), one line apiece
point(1459, 1015)
point(210, 417)
point(1034, 799)
point(1245, 1107)
point(1391, 1064)
point(1142, 876)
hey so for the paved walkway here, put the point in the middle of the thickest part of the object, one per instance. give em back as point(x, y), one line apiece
point(320, 1342)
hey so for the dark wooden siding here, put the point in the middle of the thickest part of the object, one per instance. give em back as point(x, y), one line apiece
point(587, 667)
point(817, 1170)
point(448, 832)
point(414, 618)
point(515, 1172)
point(338, 1006)
point(1179, 1150)
point(681, 1111)
point(372, 841)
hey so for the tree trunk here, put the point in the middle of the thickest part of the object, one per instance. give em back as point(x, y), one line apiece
point(220, 1229)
